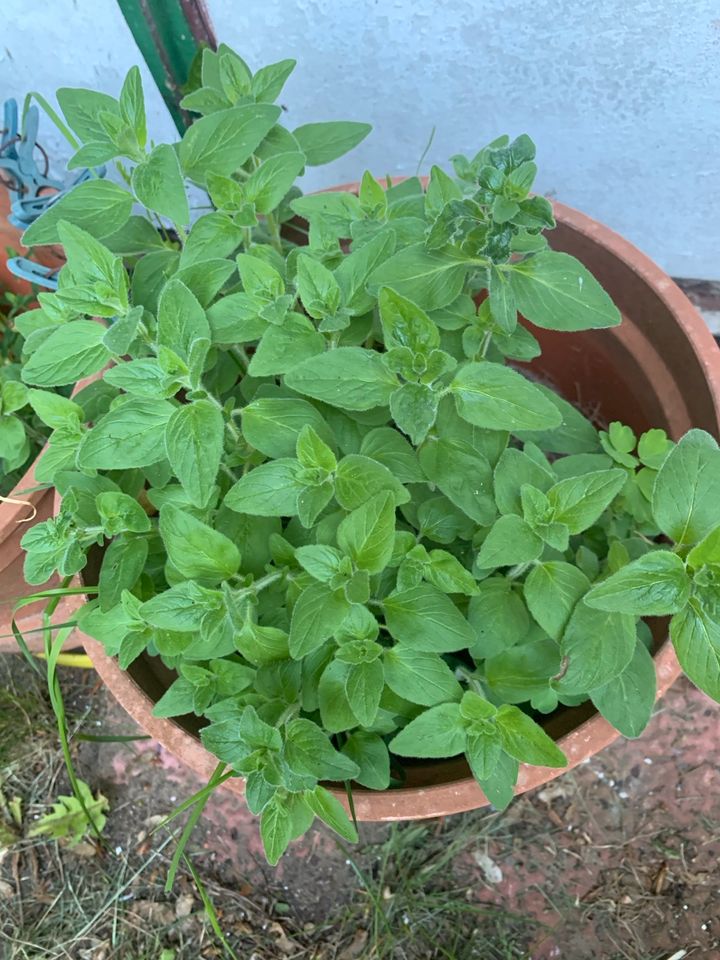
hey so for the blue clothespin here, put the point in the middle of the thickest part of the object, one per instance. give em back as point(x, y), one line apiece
point(33, 272)
point(31, 190)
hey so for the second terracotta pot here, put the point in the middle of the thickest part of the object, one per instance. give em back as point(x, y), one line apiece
point(659, 368)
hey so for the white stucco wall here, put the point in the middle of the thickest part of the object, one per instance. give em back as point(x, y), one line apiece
point(622, 98)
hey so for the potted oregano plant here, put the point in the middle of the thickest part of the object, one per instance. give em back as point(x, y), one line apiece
point(329, 508)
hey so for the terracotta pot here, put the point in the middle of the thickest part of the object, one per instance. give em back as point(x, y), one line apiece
point(16, 518)
point(660, 368)
point(48, 256)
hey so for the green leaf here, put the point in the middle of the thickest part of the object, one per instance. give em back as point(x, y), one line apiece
point(696, 639)
point(122, 567)
point(132, 433)
point(71, 820)
point(440, 190)
point(419, 676)
point(359, 478)
point(364, 685)
point(597, 646)
point(627, 701)
point(355, 268)
point(221, 142)
point(524, 671)
point(437, 732)
point(334, 210)
point(430, 279)
point(414, 408)
point(498, 617)
point(212, 236)
point(71, 352)
point(236, 319)
point(525, 740)
point(272, 424)
point(404, 324)
point(335, 710)
point(579, 501)
point(98, 206)
point(367, 534)
point(575, 434)
point(552, 589)
point(511, 540)
point(309, 752)
point(492, 396)
point(502, 301)
point(269, 81)
point(82, 109)
point(12, 438)
point(446, 572)
point(687, 489)
point(321, 561)
point(513, 470)
point(705, 552)
point(181, 319)
point(318, 612)
point(324, 142)
point(483, 749)
point(194, 446)
point(159, 185)
point(267, 185)
point(270, 490)
point(275, 829)
point(195, 549)
point(54, 410)
point(132, 106)
point(181, 608)
point(329, 809)
point(351, 378)
point(318, 288)
point(388, 447)
point(282, 349)
point(261, 645)
point(369, 752)
point(312, 452)
point(463, 475)
point(499, 787)
point(555, 291)
point(120, 513)
point(426, 620)
point(654, 585)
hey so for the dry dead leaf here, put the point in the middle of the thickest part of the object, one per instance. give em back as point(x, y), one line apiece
point(283, 941)
point(491, 871)
point(85, 850)
point(184, 905)
point(161, 914)
point(355, 948)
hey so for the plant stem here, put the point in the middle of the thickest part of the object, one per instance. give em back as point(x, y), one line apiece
point(229, 425)
point(274, 228)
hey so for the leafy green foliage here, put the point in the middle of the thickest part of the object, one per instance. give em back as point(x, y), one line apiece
point(70, 820)
point(325, 497)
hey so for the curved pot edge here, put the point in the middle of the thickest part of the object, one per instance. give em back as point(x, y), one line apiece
point(414, 803)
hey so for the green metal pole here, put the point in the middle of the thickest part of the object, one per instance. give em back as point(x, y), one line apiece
point(169, 34)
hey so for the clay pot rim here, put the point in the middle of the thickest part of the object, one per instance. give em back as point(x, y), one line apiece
point(22, 499)
point(580, 744)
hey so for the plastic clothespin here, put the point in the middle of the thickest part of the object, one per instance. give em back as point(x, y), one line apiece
point(33, 272)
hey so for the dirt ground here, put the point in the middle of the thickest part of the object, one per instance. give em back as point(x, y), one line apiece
point(618, 859)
